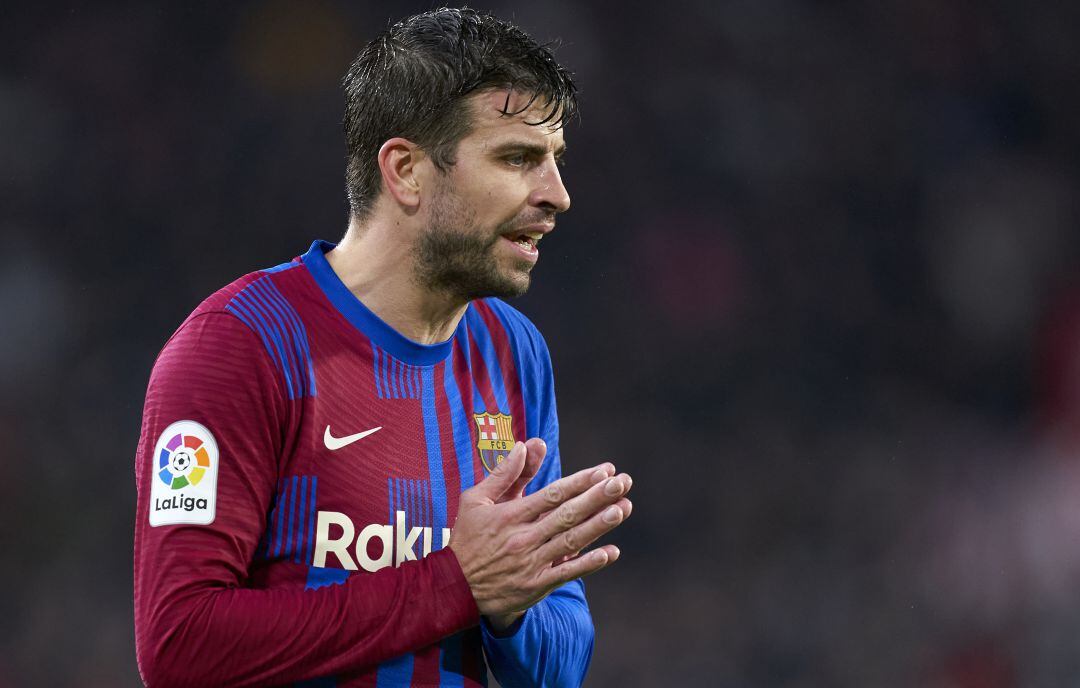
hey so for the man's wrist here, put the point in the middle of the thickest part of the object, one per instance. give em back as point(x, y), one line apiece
point(503, 625)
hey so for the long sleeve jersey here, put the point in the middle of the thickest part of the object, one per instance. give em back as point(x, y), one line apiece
point(298, 473)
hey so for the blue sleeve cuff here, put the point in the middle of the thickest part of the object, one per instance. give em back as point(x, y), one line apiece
point(550, 645)
point(509, 632)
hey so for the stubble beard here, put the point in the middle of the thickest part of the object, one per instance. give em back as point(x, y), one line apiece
point(453, 258)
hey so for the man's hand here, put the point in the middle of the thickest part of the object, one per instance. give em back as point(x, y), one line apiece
point(535, 451)
point(514, 551)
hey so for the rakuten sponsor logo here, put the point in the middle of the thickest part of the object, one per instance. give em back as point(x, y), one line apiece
point(392, 544)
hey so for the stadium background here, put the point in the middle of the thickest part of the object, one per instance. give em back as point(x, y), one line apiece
point(817, 292)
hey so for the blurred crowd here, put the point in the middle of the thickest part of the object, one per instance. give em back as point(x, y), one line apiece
point(818, 293)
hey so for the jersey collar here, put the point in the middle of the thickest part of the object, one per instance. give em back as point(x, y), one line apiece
point(363, 319)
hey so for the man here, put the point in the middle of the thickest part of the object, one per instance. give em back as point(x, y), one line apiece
point(313, 431)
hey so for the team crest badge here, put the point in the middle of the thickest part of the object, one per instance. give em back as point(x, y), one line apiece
point(496, 438)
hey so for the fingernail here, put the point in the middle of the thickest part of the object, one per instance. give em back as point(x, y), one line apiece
point(617, 552)
point(614, 487)
point(597, 476)
point(612, 515)
point(600, 556)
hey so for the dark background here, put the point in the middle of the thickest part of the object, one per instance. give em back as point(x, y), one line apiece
point(818, 293)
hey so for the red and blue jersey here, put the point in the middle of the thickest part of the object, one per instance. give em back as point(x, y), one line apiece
point(299, 471)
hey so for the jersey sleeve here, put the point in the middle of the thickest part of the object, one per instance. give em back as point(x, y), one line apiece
point(198, 619)
point(551, 644)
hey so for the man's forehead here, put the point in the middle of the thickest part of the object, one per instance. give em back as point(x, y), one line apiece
point(488, 109)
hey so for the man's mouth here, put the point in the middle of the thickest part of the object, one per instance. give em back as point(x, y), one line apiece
point(526, 240)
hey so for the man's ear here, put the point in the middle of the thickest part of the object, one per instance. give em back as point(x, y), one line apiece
point(399, 163)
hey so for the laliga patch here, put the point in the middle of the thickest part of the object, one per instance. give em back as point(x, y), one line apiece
point(184, 467)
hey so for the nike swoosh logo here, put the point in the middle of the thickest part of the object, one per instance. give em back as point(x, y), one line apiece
point(333, 443)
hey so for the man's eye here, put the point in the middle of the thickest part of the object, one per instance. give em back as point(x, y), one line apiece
point(517, 159)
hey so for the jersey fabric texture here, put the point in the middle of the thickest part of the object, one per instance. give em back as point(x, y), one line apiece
point(323, 561)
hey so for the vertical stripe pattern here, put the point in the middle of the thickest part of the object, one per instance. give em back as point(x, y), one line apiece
point(436, 484)
point(484, 399)
point(262, 307)
point(469, 398)
point(291, 526)
point(393, 378)
point(414, 498)
point(493, 314)
point(484, 343)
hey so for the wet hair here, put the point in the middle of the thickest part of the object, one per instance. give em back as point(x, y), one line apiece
point(414, 79)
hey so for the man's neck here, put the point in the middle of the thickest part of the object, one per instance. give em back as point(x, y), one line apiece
point(375, 262)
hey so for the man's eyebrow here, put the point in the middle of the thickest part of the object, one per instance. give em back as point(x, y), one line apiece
point(532, 149)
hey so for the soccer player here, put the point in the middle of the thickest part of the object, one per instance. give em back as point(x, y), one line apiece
point(333, 490)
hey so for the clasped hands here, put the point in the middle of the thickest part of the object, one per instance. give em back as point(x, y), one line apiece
point(514, 550)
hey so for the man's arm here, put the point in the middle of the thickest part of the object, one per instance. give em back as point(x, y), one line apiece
point(550, 643)
point(197, 621)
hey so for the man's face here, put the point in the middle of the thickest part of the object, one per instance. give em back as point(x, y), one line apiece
point(489, 210)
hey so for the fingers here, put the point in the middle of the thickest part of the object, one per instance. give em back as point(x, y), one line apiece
point(583, 507)
point(580, 567)
point(513, 551)
point(563, 489)
point(505, 474)
point(573, 540)
point(536, 450)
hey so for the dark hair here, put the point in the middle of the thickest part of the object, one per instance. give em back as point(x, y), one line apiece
point(413, 80)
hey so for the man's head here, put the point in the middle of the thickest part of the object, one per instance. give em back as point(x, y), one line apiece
point(414, 80)
point(455, 119)
point(486, 214)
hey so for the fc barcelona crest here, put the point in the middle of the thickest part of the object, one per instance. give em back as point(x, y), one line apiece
point(496, 438)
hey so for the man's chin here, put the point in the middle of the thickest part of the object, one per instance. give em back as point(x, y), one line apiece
point(521, 279)
point(509, 289)
point(510, 284)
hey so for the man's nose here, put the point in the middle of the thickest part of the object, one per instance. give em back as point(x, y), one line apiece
point(550, 190)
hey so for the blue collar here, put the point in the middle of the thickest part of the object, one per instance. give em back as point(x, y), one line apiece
point(361, 317)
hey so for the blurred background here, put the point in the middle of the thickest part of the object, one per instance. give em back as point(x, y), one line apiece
point(818, 293)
